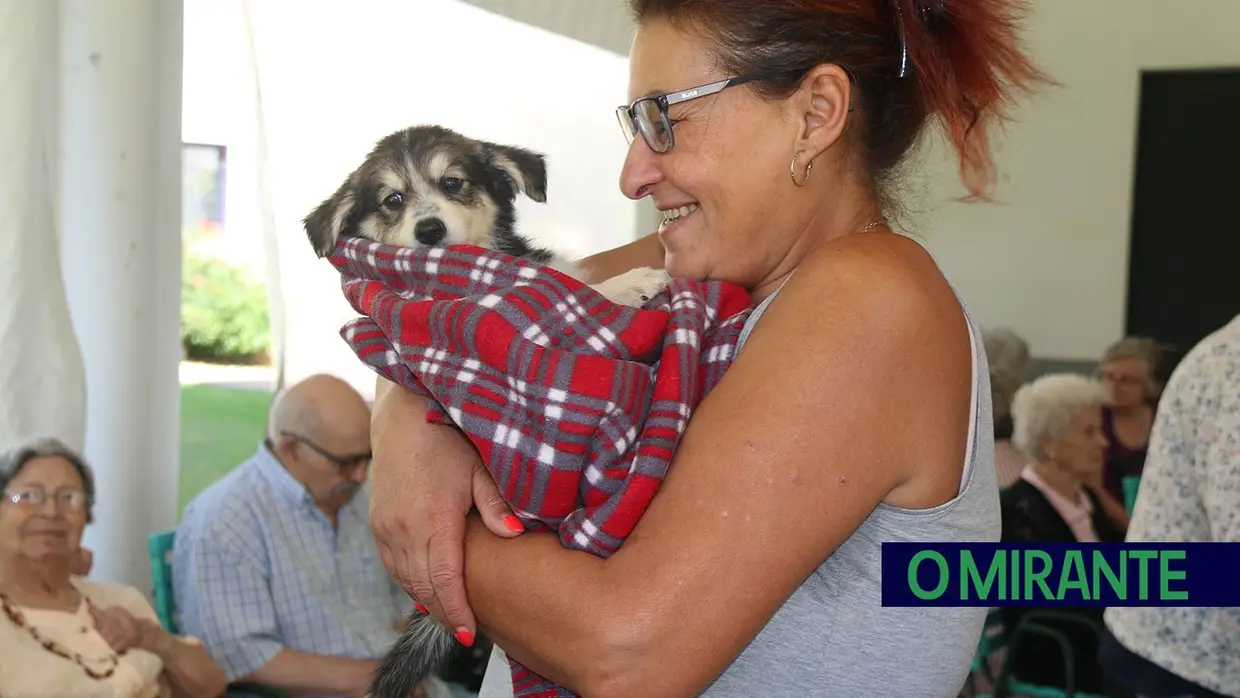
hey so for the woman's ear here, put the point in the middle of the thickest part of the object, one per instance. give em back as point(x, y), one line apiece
point(823, 108)
point(1049, 449)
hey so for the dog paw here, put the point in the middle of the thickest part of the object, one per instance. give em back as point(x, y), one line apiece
point(634, 288)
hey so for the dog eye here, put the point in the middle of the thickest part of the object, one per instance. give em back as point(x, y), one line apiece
point(393, 200)
point(451, 184)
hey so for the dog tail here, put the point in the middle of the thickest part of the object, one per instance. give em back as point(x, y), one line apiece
point(419, 651)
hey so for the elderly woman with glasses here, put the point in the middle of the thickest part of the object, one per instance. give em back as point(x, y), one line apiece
point(61, 635)
point(769, 133)
point(1057, 420)
point(1127, 371)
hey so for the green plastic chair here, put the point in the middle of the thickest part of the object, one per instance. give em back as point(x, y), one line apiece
point(1132, 483)
point(1033, 624)
point(159, 548)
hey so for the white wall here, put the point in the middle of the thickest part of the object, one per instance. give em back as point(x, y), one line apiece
point(219, 109)
point(1051, 258)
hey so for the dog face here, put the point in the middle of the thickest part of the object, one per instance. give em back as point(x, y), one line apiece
point(428, 185)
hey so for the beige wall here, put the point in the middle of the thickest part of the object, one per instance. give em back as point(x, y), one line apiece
point(1050, 258)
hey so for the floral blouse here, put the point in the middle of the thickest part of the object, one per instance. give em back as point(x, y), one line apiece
point(1190, 492)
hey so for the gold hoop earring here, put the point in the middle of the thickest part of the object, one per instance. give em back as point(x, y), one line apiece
point(792, 171)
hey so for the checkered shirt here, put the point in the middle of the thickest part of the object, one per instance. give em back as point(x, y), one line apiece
point(575, 403)
point(257, 568)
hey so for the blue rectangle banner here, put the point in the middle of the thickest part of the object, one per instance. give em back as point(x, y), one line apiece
point(1061, 574)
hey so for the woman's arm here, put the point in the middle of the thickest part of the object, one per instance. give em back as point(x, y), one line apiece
point(782, 462)
point(644, 252)
point(190, 670)
point(418, 513)
point(1112, 507)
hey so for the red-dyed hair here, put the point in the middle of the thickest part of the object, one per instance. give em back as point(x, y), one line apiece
point(965, 63)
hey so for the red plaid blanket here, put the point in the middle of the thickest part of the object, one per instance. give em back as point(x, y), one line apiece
point(576, 404)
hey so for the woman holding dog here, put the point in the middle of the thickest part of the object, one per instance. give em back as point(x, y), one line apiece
point(756, 569)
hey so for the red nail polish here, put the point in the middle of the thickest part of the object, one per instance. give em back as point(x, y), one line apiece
point(421, 609)
point(465, 637)
point(514, 524)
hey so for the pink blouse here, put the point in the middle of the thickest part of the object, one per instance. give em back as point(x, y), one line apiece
point(1077, 512)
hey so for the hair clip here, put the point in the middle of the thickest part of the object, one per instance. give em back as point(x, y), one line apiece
point(903, 40)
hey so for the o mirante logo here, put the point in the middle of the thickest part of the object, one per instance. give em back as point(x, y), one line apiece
point(1058, 574)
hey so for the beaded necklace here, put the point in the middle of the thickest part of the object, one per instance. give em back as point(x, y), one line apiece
point(19, 619)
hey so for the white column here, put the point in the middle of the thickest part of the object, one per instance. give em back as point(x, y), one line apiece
point(42, 388)
point(120, 208)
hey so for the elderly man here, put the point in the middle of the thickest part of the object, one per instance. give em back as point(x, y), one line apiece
point(275, 567)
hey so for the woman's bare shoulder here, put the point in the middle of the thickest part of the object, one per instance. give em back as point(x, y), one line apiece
point(873, 313)
point(883, 285)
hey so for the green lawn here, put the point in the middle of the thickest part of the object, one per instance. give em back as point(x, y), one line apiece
point(220, 428)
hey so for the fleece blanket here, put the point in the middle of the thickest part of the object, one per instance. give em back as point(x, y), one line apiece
point(576, 404)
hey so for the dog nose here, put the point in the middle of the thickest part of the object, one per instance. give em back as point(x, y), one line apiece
point(430, 231)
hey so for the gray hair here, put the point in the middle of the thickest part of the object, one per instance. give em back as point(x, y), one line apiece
point(16, 458)
point(1144, 349)
point(1043, 410)
point(1007, 356)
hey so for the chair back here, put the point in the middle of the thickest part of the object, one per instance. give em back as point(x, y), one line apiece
point(159, 548)
point(1132, 483)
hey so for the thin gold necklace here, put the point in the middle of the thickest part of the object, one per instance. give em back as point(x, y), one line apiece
point(872, 225)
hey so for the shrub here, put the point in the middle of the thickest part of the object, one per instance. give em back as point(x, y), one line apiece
point(223, 312)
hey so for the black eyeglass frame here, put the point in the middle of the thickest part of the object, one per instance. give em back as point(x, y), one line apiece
point(631, 126)
point(627, 114)
point(347, 463)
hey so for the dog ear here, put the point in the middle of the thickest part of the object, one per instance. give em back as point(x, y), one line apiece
point(329, 220)
point(526, 169)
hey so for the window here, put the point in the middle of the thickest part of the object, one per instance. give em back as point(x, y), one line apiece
point(202, 176)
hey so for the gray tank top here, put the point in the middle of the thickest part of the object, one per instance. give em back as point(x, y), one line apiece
point(833, 637)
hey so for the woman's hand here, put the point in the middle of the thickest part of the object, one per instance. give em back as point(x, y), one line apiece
point(425, 478)
point(118, 627)
point(190, 671)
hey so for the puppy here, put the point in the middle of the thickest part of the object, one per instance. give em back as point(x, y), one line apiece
point(428, 185)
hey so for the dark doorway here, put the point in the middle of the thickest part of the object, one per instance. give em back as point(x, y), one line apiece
point(1184, 265)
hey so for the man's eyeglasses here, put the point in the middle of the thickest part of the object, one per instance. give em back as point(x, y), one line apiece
point(348, 462)
point(34, 497)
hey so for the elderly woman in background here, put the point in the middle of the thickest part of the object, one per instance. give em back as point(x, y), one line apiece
point(60, 634)
point(1057, 420)
point(1127, 371)
point(1007, 355)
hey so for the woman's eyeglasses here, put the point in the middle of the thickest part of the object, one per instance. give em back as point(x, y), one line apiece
point(648, 115)
point(34, 497)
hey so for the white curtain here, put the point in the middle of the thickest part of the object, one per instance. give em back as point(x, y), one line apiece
point(42, 381)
